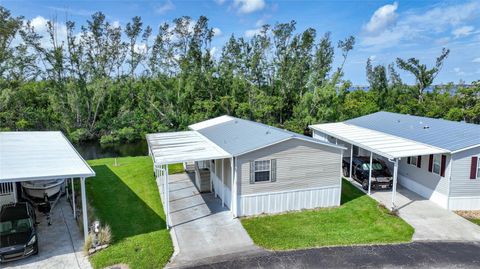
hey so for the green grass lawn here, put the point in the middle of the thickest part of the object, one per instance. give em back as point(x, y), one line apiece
point(476, 221)
point(359, 220)
point(126, 198)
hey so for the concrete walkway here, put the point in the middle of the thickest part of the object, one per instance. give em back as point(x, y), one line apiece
point(60, 245)
point(431, 222)
point(202, 227)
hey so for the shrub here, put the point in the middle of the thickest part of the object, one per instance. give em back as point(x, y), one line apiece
point(88, 244)
point(79, 135)
point(127, 134)
point(105, 235)
point(108, 139)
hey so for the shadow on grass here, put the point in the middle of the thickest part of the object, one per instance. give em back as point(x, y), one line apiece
point(117, 205)
point(349, 192)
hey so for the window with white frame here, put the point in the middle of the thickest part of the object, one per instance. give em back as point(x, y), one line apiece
point(436, 164)
point(413, 160)
point(262, 170)
point(478, 167)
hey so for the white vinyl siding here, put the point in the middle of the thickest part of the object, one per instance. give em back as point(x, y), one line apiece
point(462, 185)
point(422, 176)
point(299, 165)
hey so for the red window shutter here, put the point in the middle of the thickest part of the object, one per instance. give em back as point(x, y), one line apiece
point(442, 166)
point(430, 163)
point(473, 168)
point(419, 161)
point(408, 160)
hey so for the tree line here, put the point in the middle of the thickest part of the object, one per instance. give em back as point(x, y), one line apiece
point(103, 81)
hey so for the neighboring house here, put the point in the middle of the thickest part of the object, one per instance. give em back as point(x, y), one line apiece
point(254, 168)
point(438, 159)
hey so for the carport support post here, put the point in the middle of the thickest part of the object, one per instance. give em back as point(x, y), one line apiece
point(370, 174)
point(394, 187)
point(223, 183)
point(73, 201)
point(84, 208)
point(351, 161)
point(167, 196)
point(234, 187)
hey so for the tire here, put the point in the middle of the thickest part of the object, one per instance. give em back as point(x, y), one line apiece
point(365, 184)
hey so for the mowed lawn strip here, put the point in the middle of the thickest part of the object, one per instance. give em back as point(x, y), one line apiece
point(126, 198)
point(359, 220)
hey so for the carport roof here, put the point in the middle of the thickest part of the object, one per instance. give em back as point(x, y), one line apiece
point(384, 144)
point(39, 155)
point(179, 147)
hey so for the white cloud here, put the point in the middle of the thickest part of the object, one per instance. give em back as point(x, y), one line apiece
point(213, 51)
point(476, 60)
point(463, 31)
point(220, 2)
point(459, 71)
point(249, 6)
point(165, 7)
point(260, 23)
point(116, 24)
point(217, 31)
point(252, 32)
point(39, 24)
point(387, 28)
point(382, 18)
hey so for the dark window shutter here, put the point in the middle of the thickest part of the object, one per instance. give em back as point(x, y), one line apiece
point(419, 161)
point(442, 166)
point(408, 160)
point(273, 170)
point(473, 168)
point(430, 163)
point(252, 172)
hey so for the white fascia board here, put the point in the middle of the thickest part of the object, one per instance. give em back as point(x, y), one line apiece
point(467, 148)
point(46, 177)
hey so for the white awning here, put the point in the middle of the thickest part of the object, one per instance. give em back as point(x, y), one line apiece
point(383, 144)
point(179, 147)
point(39, 155)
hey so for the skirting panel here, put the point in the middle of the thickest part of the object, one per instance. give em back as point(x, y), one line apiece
point(465, 203)
point(277, 202)
point(434, 196)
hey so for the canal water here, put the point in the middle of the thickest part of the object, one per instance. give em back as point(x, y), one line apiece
point(94, 150)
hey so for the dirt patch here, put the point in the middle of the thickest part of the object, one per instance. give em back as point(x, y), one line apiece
point(469, 214)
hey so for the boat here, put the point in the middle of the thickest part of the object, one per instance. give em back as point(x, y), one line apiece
point(42, 188)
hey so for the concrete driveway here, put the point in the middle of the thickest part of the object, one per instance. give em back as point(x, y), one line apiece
point(202, 228)
point(60, 245)
point(431, 222)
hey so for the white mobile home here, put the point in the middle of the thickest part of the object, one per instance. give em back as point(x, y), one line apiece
point(253, 168)
point(438, 159)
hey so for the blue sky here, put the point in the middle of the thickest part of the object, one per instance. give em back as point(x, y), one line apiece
point(384, 29)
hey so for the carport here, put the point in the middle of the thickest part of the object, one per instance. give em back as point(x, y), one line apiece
point(181, 147)
point(34, 156)
point(391, 147)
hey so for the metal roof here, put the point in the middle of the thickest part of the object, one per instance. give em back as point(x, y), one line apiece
point(178, 147)
point(39, 155)
point(451, 135)
point(380, 143)
point(238, 136)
